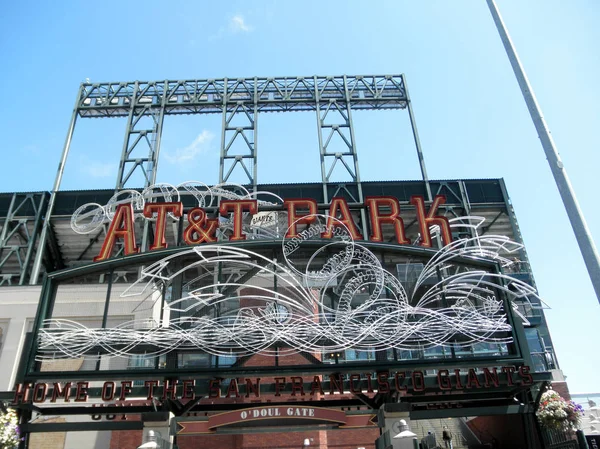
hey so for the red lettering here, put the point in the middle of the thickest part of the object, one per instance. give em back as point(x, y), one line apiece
point(430, 219)
point(170, 389)
point(58, 391)
point(339, 205)
point(316, 385)
point(378, 218)
point(251, 387)
point(200, 228)
point(238, 207)
point(399, 381)
point(491, 376)
point(509, 370)
point(443, 378)
point(335, 381)
point(188, 389)
point(297, 385)
point(369, 386)
point(161, 210)
point(125, 389)
point(108, 391)
point(295, 219)
point(472, 379)
point(121, 226)
point(82, 392)
point(39, 392)
point(233, 389)
point(278, 386)
point(354, 389)
point(418, 381)
point(150, 384)
point(526, 378)
point(214, 388)
point(459, 385)
point(382, 382)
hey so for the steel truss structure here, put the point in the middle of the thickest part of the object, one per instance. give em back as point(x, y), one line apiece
point(240, 98)
point(20, 229)
point(145, 104)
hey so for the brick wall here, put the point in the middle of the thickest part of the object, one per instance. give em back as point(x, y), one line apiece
point(563, 389)
point(210, 441)
point(338, 439)
point(125, 439)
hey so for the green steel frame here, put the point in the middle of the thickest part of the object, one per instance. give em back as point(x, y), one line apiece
point(19, 234)
point(145, 104)
point(520, 355)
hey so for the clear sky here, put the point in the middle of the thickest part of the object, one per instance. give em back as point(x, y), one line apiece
point(472, 120)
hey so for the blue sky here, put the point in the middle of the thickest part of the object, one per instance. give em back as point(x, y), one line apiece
point(472, 120)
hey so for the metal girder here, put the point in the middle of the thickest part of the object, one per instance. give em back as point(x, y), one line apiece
point(335, 127)
point(145, 104)
point(19, 235)
point(413, 125)
point(278, 94)
point(77, 426)
point(142, 140)
point(242, 97)
point(515, 228)
point(239, 133)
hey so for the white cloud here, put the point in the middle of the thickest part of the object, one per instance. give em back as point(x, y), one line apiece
point(238, 24)
point(201, 144)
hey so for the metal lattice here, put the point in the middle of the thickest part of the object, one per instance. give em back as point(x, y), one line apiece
point(239, 98)
point(145, 104)
point(19, 234)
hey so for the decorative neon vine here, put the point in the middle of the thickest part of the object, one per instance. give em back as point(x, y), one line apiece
point(373, 311)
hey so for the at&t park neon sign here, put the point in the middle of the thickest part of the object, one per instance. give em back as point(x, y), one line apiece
point(298, 316)
point(126, 206)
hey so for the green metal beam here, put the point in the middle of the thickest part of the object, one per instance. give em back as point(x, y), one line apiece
point(78, 426)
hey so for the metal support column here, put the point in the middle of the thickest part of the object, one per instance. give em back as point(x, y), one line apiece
point(35, 272)
point(139, 135)
point(413, 124)
point(320, 137)
point(239, 140)
point(363, 213)
point(39, 212)
point(334, 116)
point(466, 203)
point(514, 224)
point(580, 228)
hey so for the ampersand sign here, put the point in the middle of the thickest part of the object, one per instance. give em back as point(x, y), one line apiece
point(200, 229)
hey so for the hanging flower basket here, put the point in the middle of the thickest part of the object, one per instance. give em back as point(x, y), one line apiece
point(9, 430)
point(557, 414)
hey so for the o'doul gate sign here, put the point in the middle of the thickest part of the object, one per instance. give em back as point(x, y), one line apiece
point(280, 415)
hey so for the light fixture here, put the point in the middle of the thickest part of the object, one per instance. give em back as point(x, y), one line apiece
point(152, 442)
point(306, 442)
point(149, 445)
point(404, 432)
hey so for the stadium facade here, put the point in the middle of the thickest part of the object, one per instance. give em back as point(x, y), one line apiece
point(333, 314)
